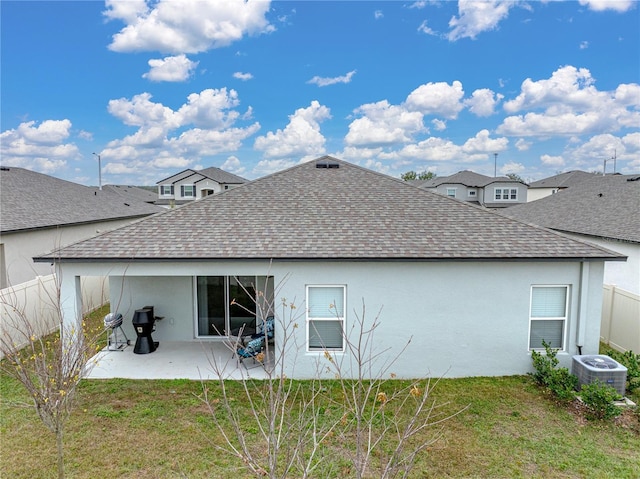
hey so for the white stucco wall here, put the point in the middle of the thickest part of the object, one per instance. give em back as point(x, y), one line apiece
point(20, 248)
point(623, 274)
point(462, 319)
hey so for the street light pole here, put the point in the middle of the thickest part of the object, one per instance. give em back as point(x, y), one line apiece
point(99, 172)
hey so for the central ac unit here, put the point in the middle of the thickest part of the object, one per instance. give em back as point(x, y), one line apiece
point(590, 368)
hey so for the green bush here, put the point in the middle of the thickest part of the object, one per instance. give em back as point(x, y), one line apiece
point(559, 381)
point(631, 361)
point(599, 399)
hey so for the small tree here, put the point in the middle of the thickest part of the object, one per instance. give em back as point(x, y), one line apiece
point(412, 175)
point(515, 176)
point(49, 366)
point(351, 409)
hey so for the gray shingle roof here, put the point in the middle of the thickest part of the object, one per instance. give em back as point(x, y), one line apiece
point(33, 200)
point(133, 192)
point(213, 173)
point(467, 178)
point(348, 212)
point(562, 180)
point(221, 176)
point(603, 206)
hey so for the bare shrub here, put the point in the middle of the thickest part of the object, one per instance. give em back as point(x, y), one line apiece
point(354, 411)
point(48, 365)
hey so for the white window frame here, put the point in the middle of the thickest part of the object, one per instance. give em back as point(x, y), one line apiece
point(472, 193)
point(451, 190)
point(504, 194)
point(183, 191)
point(564, 318)
point(163, 189)
point(335, 317)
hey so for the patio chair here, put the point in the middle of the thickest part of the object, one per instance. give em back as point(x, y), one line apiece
point(250, 351)
point(264, 329)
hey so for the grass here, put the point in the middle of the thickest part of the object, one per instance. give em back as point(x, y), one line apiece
point(160, 429)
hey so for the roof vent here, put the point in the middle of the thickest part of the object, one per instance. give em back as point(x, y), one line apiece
point(327, 164)
point(4, 168)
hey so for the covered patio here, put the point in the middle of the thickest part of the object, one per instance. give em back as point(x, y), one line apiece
point(206, 360)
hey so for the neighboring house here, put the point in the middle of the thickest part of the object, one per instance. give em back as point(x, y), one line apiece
point(189, 185)
point(472, 290)
point(484, 190)
point(604, 210)
point(40, 213)
point(553, 184)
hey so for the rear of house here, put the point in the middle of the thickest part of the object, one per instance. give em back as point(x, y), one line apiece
point(325, 245)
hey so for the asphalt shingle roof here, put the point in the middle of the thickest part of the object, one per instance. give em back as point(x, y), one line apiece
point(603, 206)
point(563, 180)
point(467, 178)
point(347, 213)
point(213, 173)
point(221, 176)
point(33, 200)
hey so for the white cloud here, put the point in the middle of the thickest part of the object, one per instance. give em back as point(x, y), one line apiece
point(300, 137)
point(383, 124)
point(523, 145)
point(170, 69)
point(616, 5)
point(512, 167)
point(592, 153)
point(185, 26)
point(439, 99)
point(378, 14)
point(483, 102)
point(242, 76)
point(482, 143)
point(568, 103)
point(475, 17)
point(211, 108)
point(424, 28)
point(555, 161)
point(205, 125)
point(584, 45)
point(325, 81)
point(267, 167)
point(233, 165)
point(38, 147)
point(438, 124)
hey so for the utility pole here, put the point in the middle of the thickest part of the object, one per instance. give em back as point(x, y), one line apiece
point(99, 172)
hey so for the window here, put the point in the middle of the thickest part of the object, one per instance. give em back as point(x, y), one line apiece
point(225, 304)
point(325, 318)
point(166, 190)
point(188, 191)
point(548, 316)
point(506, 194)
point(472, 193)
point(451, 192)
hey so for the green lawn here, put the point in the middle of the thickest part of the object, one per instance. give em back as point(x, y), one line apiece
point(160, 429)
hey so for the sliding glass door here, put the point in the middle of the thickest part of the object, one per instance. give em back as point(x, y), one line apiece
point(227, 303)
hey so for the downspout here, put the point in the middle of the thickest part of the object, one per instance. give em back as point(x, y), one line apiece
point(583, 293)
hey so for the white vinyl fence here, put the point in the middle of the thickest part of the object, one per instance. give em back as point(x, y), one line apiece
point(36, 301)
point(620, 327)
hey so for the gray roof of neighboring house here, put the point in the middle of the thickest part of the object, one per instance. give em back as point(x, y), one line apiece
point(338, 213)
point(33, 200)
point(467, 178)
point(603, 206)
point(563, 180)
point(133, 192)
point(213, 173)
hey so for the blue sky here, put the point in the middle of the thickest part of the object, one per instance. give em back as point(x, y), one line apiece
point(155, 87)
